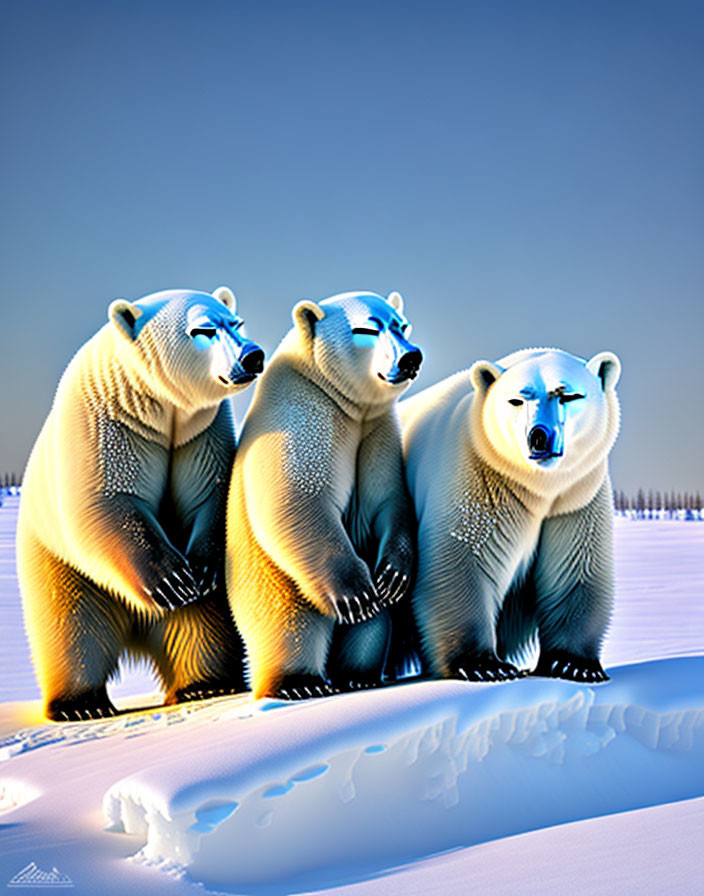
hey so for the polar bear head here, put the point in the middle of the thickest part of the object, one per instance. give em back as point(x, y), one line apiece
point(189, 345)
point(359, 342)
point(544, 410)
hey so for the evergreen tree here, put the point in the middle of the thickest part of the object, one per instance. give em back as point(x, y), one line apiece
point(640, 503)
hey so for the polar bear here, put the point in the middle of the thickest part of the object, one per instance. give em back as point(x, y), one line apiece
point(507, 466)
point(121, 521)
point(320, 526)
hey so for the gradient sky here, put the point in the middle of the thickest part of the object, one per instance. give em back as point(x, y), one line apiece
point(525, 173)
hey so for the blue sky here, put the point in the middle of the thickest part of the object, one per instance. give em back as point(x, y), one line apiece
point(525, 173)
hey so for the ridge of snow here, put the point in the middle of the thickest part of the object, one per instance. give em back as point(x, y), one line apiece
point(287, 792)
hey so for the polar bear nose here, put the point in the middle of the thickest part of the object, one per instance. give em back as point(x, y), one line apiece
point(252, 359)
point(409, 364)
point(539, 440)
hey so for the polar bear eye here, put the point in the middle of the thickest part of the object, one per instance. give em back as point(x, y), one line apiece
point(516, 402)
point(208, 332)
point(565, 398)
point(365, 331)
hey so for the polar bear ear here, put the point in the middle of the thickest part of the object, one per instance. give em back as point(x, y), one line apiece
point(123, 316)
point(607, 367)
point(305, 314)
point(225, 295)
point(395, 299)
point(483, 374)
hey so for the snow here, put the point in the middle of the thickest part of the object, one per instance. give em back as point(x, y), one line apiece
point(400, 773)
point(650, 851)
point(521, 787)
point(659, 608)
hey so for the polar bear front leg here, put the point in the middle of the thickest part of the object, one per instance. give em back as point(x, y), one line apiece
point(110, 498)
point(133, 552)
point(301, 531)
point(455, 602)
point(200, 474)
point(386, 508)
point(386, 522)
point(197, 648)
point(574, 581)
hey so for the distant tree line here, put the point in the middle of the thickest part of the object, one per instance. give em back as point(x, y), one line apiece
point(659, 505)
point(9, 485)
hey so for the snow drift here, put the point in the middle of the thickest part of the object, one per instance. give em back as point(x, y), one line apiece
point(291, 792)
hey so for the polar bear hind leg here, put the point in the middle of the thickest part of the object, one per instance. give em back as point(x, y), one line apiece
point(404, 659)
point(291, 663)
point(284, 661)
point(517, 625)
point(197, 651)
point(358, 653)
point(76, 633)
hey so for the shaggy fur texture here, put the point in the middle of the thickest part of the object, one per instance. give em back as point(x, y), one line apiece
point(511, 547)
point(121, 523)
point(320, 527)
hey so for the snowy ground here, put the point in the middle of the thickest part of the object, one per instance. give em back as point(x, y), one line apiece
point(439, 787)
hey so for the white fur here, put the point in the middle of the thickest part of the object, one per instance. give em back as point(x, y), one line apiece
point(138, 417)
point(482, 502)
point(317, 482)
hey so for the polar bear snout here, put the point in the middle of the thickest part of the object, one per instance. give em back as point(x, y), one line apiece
point(252, 359)
point(244, 364)
point(409, 364)
point(539, 441)
point(544, 442)
point(405, 366)
point(544, 425)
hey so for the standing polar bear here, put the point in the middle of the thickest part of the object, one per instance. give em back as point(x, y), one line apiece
point(121, 520)
point(320, 526)
point(507, 466)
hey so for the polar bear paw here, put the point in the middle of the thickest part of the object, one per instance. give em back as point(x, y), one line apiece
point(175, 589)
point(206, 577)
point(81, 708)
point(563, 664)
point(391, 584)
point(357, 681)
point(204, 690)
point(303, 687)
point(355, 608)
point(483, 667)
